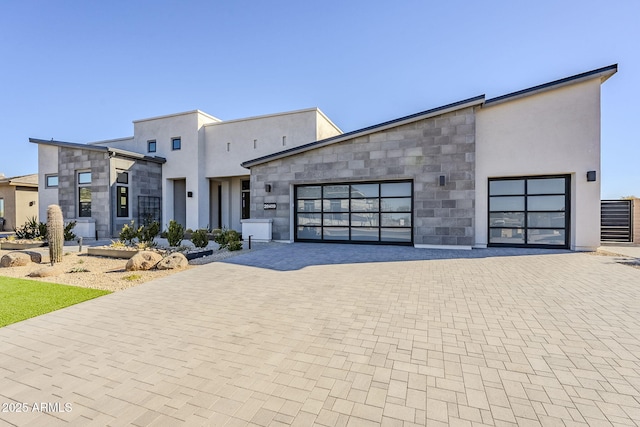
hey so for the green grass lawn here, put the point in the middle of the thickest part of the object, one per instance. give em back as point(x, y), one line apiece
point(22, 299)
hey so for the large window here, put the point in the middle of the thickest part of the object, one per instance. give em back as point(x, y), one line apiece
point(373, 212)
point(122, 194)
point(529, 211)
point(246, 199)
point(84, 194)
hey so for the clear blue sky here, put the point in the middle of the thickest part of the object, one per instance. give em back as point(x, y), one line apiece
point(82, 71)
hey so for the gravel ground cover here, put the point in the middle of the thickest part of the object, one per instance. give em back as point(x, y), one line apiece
point(107, 273)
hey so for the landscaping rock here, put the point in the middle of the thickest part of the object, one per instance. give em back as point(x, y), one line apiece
point(47, 271)
point(144, 260)
point(15, 259)
point(174, 261)
point(35, 256)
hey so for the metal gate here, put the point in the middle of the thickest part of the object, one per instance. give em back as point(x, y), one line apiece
point(615, 221)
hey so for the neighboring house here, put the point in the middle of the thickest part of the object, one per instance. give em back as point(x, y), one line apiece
point(518, 170)
point(18, 200)
point(184, 167)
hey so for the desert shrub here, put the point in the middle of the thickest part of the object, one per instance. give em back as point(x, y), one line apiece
point(129, 233)
point(235, 245)
point(32, 229)
point(149, 232)
point(175, 233)
point(68, 234)
point(227, 239)
point(199, 238)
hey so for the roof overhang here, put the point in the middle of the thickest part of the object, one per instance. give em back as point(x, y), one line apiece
point(109, 150)
point(601, 73)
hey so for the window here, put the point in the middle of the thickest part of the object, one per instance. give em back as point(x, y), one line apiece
point(284, 141)
point(375, 212)
point(151, 146)
point(529, 211)
point(176, 143)
point(1, 208)
point(122, 178)
point(122, 194)
point(246, 199)
point(84, 194)
point(51, 181)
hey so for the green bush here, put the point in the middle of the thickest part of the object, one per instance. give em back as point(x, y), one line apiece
point(149, 232)
point(129, 233)
point(199, 238)
point(68, 234)
point(227, 239)
point(235, 245)
point(175, 233)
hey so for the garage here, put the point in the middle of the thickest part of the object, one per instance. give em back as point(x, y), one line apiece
point(529, 211)
point(363, 212)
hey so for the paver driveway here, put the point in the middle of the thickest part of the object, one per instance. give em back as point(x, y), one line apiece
point(541, 339)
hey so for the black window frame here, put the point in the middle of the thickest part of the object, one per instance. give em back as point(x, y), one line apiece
point(174, 146)
point(46, 181)
point(84, 208)
point(525, 227)
point(152, 143)
point(122, 209)
point(349, 212)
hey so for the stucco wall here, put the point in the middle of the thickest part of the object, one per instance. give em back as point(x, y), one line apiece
point(554, 132)
point(421, 151)
point(7, 193)
point(232, 142)
point(26, 205)
point(47, 165)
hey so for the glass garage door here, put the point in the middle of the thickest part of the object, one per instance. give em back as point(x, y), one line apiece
point(372, 212)
point(530, 211)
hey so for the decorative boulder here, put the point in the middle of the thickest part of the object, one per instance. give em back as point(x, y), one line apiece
point(35, 256)
point(15, 259)
point(144, 260)
point(47, 272)
point(174, 261)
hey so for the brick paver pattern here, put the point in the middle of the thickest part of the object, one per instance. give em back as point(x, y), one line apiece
point(547, 339)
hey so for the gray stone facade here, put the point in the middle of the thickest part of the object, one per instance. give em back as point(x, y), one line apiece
point(421, 151)
point(145, 178)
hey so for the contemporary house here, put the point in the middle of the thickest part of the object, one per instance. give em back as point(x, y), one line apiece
point(522, 170)
point(184, 167)
point(18, 200)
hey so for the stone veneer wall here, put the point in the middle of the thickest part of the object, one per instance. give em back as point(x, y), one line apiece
point(71, 160)
point(422, 151)
point(145, 179)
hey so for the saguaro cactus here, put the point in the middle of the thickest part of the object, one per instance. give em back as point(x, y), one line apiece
point(55, 233)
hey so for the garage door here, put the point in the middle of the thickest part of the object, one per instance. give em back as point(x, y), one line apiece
point(368, 212)
point(529, 211)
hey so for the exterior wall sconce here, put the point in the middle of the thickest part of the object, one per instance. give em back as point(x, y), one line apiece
point(441, 180)
point(591, 176)
point(267, 188)
point(189, 193)
point(32, 203)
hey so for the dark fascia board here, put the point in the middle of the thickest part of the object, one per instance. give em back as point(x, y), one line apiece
point(114, 151)
point(602, 73)
point(478, 100)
